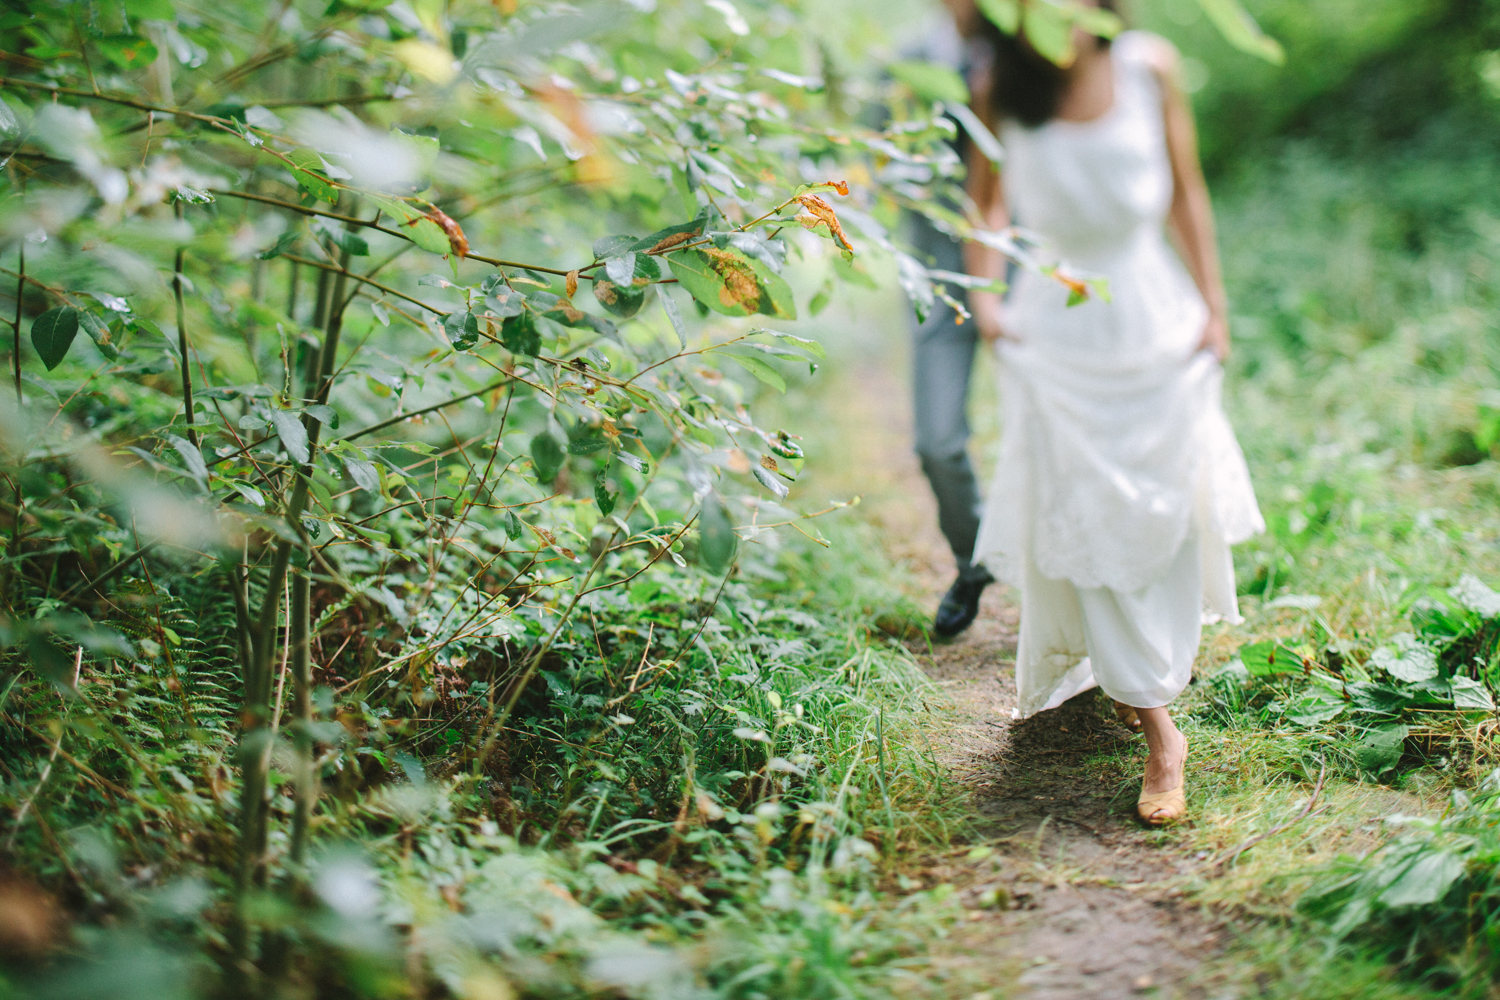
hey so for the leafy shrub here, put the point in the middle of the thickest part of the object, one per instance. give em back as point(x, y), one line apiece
point(1428, 898)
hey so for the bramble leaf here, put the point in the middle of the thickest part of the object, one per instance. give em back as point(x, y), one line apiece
point(547, 457)
point(52, 334)
point(716, 538)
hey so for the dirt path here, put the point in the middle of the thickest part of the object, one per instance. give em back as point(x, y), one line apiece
point(1086, 904)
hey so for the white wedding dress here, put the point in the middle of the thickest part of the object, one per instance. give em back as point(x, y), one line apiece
point(1120, 485)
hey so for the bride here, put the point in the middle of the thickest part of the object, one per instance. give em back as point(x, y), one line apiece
point(1120, 485)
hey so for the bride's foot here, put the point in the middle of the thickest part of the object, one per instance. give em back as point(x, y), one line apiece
point(1166, 765)
point(1163, 800)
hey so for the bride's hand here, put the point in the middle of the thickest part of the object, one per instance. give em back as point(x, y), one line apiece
point(1215, 337)
point(991, 326)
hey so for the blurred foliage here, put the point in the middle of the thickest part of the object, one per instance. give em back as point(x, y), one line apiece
point(1358, 73)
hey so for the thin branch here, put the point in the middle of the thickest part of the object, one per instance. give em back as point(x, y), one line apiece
point(382, 425)
point(387, 289)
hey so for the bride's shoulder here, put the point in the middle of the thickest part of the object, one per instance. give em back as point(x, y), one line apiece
point(1151, 49)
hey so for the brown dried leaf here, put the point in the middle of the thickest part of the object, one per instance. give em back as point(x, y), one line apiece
point(668, 242)
point(572, 283)
point(767, 462)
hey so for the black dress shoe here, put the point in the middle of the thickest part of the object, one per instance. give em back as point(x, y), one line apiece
point(960, 605)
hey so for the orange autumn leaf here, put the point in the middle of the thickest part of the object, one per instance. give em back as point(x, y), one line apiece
point(572, 283)
point(821, 213)
point(1075, 286)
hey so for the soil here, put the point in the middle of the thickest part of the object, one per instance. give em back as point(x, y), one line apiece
point(1081, 897)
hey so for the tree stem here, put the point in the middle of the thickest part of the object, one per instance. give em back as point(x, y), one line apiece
point(15, 359)
point(305, 777)
point(182, 344)
point(255, 760)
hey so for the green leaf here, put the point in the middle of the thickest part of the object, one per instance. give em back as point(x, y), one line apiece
point(731, 283)
point(585, 439)
point(462, 329)
point(52, 334)
point(413, 223)
point(1265, 659)
point(768, 479)
point(761, 370)
point(618, 297)
point(99, 332)
point(931, 81)
point(674, 316)
point(916, 284)
point(353, 243)
point(716, 538)
point(602, 496)
point(191, 457)
point(611, 246)
point(1050, 31)
point(1376, 699)
point(1487, 430)
point(633, 461)
point(292, 433)
point(547, 456)
point(127, 51)
point(323, 414)
point(1380, 749)
point(232, 110)
point(519, 334)
point(1005, 13)
point(311, 179)
point(1407, 658)
point(1097, 21)
point(513, 525)
point(1425, 881)
point(1469, 695)
point(810, 346)
point(429, 236)
point(151, 10)
point(1240, 30)
point(250, 493)
point(1315, 707)
point(283, 243)
point(364, 474)
point(821, 298)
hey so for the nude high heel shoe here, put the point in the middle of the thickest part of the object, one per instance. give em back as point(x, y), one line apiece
point(1165, 808)
point(1127, 717)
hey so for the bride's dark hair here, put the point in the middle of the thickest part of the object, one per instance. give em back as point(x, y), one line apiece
point(1027, 85)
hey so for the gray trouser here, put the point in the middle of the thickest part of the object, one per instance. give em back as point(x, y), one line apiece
point(942, 361)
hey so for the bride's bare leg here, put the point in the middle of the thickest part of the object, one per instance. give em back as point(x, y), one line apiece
point(1164, 768)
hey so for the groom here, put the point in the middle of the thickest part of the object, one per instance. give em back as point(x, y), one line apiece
point(942, 361)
